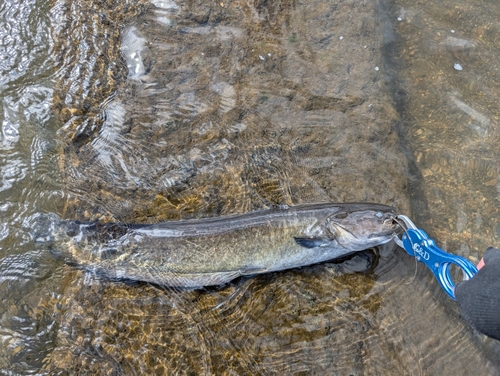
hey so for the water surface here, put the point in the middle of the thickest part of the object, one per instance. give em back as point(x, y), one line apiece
point(143, 112)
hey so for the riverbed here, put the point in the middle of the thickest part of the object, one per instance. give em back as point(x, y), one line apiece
point(149, 111)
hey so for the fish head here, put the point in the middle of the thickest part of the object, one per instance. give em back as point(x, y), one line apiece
point(361, 227)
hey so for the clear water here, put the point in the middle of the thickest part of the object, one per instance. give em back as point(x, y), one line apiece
point(142, 112)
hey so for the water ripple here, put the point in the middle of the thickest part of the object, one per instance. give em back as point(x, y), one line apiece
point(24, 35)
point(13, 172)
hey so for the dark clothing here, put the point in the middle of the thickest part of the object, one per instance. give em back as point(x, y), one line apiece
point(479, 297)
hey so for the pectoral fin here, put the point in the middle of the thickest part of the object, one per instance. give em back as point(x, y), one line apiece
point(313, 242)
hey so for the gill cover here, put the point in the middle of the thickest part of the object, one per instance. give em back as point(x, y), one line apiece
point(361, 229)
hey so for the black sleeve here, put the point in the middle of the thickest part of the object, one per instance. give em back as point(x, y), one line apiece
point(479, 297)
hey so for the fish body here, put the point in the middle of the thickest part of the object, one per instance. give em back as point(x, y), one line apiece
point(195, 253)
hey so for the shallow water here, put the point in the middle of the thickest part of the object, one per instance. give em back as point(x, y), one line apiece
point(450, 79)
point(148, 111)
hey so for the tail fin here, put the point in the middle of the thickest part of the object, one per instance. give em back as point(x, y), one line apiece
point(43, 228)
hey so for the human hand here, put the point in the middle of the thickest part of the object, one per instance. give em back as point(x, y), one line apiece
point(479, 297)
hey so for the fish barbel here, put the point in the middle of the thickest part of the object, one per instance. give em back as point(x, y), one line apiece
point(195, 253)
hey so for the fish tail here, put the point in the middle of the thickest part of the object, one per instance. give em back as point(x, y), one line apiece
point(43, 228)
